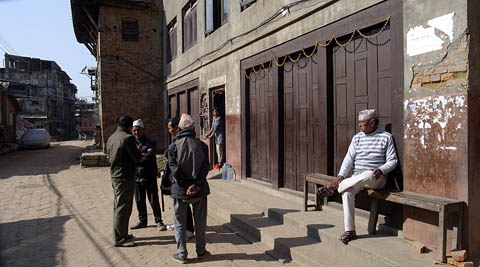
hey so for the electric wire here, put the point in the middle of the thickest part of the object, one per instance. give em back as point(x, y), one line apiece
point(263, 23)
point(8, 44)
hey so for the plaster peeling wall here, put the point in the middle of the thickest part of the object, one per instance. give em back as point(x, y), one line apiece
point(435, 134)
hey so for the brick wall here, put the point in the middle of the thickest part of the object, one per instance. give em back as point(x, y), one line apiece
point(129, 73)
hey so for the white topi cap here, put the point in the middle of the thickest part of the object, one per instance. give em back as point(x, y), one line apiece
point(186, 121)
point(138, 123)
point(367, 114)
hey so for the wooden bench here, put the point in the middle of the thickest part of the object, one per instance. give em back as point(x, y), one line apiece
point(444, 207)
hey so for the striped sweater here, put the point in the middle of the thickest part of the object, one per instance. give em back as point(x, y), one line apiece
point(370, 151)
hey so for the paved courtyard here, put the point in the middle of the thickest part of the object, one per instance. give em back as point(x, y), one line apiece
point(54, 212)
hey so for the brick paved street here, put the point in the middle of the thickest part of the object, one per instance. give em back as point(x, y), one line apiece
point(54, 212)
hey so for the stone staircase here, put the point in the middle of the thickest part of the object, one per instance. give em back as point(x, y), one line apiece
point(274, 220)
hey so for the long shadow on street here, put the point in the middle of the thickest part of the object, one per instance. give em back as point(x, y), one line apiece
point(32, 242)
point(52, 160)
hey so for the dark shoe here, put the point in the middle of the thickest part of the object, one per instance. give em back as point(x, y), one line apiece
point(348, 236)
point(129, 237)
point(139, 225)
point(161, 226)
point(325, 191)
point(204, 255)
point(177, 257)
point(126, 244)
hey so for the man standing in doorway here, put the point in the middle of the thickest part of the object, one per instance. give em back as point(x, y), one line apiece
point(218, 131)
point(188, 162)
point(372, 155)
point(146, 179)
point(123, 155)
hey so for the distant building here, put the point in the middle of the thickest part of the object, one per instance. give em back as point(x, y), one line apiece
point(44, 93)
point(8, 110)
point(86, 118)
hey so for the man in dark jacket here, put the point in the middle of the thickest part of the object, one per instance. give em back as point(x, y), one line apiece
point(188, 162)
point(146, 179)
point(123, 155)
point(167, 178)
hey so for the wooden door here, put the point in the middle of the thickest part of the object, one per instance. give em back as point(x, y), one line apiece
point(183, 102)
point(305, 119)
point(173, 110)
point(194, 108)
point(362, 80)
point(263, 122)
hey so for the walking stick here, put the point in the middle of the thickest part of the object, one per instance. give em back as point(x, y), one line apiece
point(161, 193)
point(163, 203)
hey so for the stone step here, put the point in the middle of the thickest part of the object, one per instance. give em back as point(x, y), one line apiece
point(308, 238)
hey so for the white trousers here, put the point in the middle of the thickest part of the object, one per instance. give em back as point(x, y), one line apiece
point(219, 153)
point(350, 187)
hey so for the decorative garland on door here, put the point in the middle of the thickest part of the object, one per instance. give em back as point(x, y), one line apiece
point(317, 44)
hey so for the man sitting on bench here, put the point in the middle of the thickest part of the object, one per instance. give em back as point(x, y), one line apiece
point(372, 155)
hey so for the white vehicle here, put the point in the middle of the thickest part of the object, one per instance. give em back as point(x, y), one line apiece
point(35, 138)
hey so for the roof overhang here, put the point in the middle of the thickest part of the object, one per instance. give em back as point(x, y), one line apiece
point(85, 17)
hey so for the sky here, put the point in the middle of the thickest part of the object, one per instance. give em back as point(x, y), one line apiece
point(44, 29)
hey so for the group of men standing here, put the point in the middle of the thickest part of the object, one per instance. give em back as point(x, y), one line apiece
point(371, 155)
point(134, 173)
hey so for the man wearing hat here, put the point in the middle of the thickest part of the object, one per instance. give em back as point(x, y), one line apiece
point(372, 155)
point(123, 155)
point(146, 179)
point(188, 163)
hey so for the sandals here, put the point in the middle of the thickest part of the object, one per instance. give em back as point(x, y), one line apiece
point(326, 191)
point(348, 236)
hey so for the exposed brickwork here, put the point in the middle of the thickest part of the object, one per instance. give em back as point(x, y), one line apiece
point(451, 72)
point(130, 71)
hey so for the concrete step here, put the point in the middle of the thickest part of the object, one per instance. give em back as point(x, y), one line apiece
point(308, 238)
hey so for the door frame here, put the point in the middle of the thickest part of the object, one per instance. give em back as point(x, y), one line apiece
point(363, 19)
point(211, 142)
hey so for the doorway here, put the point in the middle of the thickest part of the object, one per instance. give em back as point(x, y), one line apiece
point(217, 101)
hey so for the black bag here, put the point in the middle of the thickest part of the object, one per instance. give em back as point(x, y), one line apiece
point(166, 184)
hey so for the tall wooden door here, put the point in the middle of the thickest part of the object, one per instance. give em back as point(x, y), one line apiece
point(362, 80)
point(183, 102)
point(173, 110)
point(186, 101)
point(263, 123)
point(305, 119)
point(194, 108)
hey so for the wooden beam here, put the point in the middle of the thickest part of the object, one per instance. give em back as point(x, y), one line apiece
point(90, 18)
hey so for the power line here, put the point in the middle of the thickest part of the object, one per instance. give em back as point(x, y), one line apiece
point(8, 44)
point(5, 48)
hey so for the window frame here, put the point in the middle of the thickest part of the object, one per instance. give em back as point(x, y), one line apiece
point(219, 17)
point(189, 25)
point(130, 30)
point(172, 43)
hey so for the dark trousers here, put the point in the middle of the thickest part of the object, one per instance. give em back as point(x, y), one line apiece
point(147, 190)
point(189, 225)
point(122, 208)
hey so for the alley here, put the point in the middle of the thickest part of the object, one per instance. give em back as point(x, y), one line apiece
point(54, 212)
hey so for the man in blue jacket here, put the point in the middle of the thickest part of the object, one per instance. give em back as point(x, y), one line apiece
point(146, 179)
